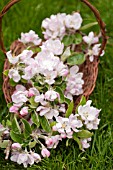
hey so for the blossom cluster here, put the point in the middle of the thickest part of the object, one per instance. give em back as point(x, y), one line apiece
point(57, 25)
point(46, 80)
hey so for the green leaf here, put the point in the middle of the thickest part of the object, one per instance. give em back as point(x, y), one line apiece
point(26, 129)
point(70, 109)
point(4, 144)
point(76, 59)
point(78, 141)
point(83, 134)
point(16, 137)
point(53, 123)
point(89, 25)
point(32, 102)
point(68, 101)
point(32, 144)
point(78, 38)
point(15, 126)
point(66, 54)
point(24, 81)
point(68, 40)
point(35, 119)
point(59, 90)
point(12, 83)
point(82, 102)
point(9, 105)
point(6, 72)
point(58, 80)
point(45, 124)
point(8, 123)
point(63, 86)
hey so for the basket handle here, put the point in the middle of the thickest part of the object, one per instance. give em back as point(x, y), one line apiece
point(101, 24)
point(93, 9)
point(2, 13)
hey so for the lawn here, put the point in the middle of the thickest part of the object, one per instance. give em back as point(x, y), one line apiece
point(28, 15)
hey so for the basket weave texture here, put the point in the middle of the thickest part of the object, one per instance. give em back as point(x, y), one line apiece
point(89, 69)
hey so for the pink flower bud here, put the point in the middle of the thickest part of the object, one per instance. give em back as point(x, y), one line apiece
point(54, 128)
point(31, 93)
point(16, 146)
point(13, 109)
point(63, 135)
point(45, 152)
point(24, 111)
point(6, 132)
point(49, 142)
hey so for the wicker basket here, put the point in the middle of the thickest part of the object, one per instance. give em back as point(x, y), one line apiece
point(90, 70)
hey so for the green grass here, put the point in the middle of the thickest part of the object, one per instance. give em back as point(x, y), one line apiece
point(28, 15)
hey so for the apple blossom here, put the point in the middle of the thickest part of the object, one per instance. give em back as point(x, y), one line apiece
point(30, 37)
point(16, 146)
point(36, 157)
point(24, 111)
point(54, 26)
point(25, 56)
point(89, 115)
point(50, 76)
point(85, 143)
point(48, 112)
point(25, 158)
point(45, 152)
point(33, 92)
point(46, 61)
point(14, 109)
point(51, 95)
point(14, 74)
point(63, 127)
point(12, 59)
point(40, 99)
point(20, 87)
point(54, 46)
point(19, 97)
point(94, 52)
point(91, 39)
point(73, 21)
point(74, 122)
point(53, 141)
point(74, 82)
point(62, 69)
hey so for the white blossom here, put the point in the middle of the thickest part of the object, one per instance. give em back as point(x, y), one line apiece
point(14, 74)
point(91, 39)
point(54, 26)
point(25, 56)
point(54, 46)
point(48, 112)
point(73, 21)
point(94, 52)
point(12, 59)
point(19, 96)
point(45, 152)
point(25, 158)
point(53, 141)
point(63, 127)
point(16, 146)
point(89, 115)
point(51, 95)
point(46, 61)
point(74, 122)
point(30, 37)
point(24, 111)
point(85, 143)
point(74, 82)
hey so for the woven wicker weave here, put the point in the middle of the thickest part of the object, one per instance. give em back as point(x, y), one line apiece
point(90, 70)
